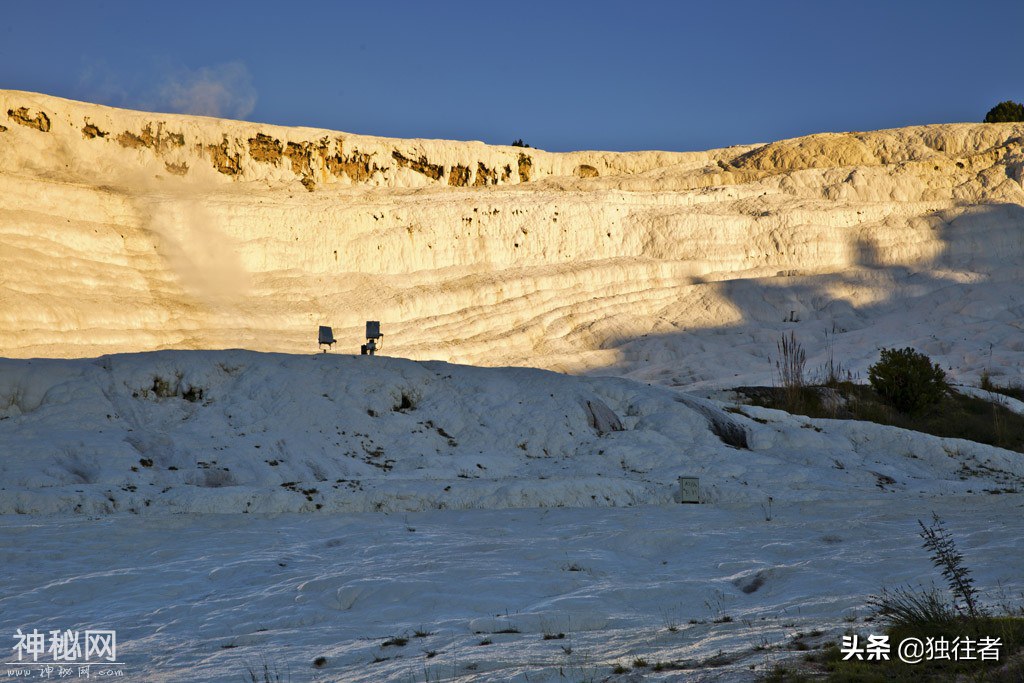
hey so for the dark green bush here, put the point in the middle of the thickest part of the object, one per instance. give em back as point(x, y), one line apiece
point(907, 380)
point(1005, 112)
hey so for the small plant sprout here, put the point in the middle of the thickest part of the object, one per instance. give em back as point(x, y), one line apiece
point(714, 605)
point(669, 620)
point(264, 672)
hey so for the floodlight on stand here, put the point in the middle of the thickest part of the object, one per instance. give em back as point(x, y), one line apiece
point(372, 335)
point(326, 336)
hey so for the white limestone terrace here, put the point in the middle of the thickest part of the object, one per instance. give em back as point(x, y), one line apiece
point(129, 231)
point(355, 518)
point(246, 432)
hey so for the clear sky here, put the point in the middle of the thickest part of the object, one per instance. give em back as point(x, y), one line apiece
point(619, 75)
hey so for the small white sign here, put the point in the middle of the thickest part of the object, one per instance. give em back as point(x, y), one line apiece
point(689, 490)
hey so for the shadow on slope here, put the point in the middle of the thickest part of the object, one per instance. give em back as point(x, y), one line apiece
point(960, 303)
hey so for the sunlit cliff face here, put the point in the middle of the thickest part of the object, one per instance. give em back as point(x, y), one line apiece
point(128, 231)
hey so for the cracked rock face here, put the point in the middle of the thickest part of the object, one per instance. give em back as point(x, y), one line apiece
point(38, 120)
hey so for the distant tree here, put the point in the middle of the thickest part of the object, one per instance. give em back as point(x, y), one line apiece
point(519, 143)
point(907, 380)
point(1005, 112)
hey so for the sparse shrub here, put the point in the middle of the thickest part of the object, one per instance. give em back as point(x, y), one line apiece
point(518, 142)
point(832, 371)
point(1005, 112)
point(925, 614)
point(986, 381)
point(1012, 390)
point(958, 416)
point(928, 609)
point(906, 607)
point(790, 365)
point(790, 370)
point(946, 557)
point(907, 380)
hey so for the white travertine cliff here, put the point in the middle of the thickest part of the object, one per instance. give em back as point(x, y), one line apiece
point(130, 231)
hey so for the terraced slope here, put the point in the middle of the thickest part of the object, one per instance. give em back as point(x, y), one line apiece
point(129, 231)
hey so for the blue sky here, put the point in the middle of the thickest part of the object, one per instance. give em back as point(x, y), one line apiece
point(560, 75)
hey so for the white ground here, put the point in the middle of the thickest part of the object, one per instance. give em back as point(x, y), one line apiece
point(489, 502)
point(204, 597)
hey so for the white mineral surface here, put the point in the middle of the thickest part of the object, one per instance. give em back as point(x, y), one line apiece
point(562, 334)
